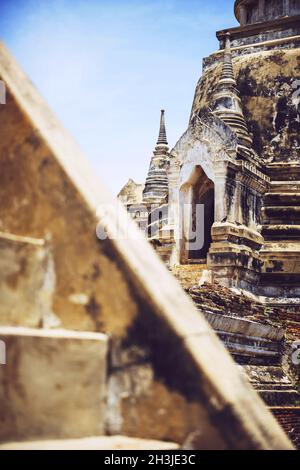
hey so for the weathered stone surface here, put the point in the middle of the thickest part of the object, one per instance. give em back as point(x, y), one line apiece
point(264, 23)
point(38, 197)
point(150, 410)
point(27, 282)
point(118, 285)
point(263, 89)
point(239, 160)
point(188, 274)
point(93, 443)
point(131, 193)
point(251, 12)
point(53, 384)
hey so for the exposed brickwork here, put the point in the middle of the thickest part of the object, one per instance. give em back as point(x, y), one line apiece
point(220, 300)
point(189, 274)
point(288, 317)
point(217, 299)
point(214, 298)
point(289, 419)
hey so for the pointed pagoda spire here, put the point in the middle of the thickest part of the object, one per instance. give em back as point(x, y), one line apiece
point(227, 102)
point(156, 187)
point(227, 75)
point(162, 137)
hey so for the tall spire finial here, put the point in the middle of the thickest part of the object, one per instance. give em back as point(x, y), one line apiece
point(156, 186)
point(227, 103)
point(227, 75)
point(162, 137)
point(227, 42)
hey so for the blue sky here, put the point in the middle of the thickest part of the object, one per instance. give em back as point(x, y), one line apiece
point(106, 68)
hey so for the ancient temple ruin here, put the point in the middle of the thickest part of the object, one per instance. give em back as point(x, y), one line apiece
point(100, 346)
point(237, 169)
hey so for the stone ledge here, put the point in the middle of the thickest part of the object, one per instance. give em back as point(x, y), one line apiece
point(10, 237)
point(256, 29)
point(53, 384)
point(8, 331)
point(248, 328)
point(93, 443)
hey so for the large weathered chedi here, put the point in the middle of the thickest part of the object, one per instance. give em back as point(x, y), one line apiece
point(240, 158)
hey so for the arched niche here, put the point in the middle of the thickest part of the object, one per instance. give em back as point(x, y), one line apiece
point(197, 215)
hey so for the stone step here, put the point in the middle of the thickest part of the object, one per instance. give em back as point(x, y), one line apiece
point(285, 186)
point(251, 330)
point(282, 210)
point(246, 339)
point(247, 346)
point(279, 397)
point(281, 232)
point(282, 199)
point(53, 384)
point(268, 377)
point(92, 443)
point(274, 387)
point(273, 384)
point(277, 215)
